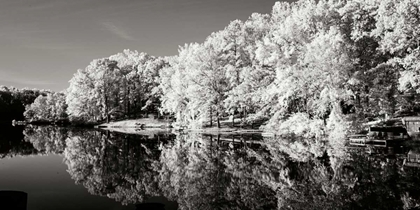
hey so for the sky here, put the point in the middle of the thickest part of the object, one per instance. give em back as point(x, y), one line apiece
point(44, 42)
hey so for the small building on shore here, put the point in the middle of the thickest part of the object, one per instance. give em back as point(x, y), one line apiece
point(412, 124)
point(388, 133)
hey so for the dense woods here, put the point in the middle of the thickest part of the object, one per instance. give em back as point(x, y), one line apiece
point(308, 68)
point(122, 86)
point(13, 102)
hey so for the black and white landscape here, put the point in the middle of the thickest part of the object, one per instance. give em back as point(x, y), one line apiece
point(193, 104)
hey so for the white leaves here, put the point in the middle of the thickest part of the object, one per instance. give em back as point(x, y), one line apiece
point(410, 77)
point(123, 82)
point(51, 107)
point(398, 25)
point(300, 124)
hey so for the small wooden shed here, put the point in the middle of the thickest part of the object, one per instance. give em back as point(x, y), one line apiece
point(412, 124)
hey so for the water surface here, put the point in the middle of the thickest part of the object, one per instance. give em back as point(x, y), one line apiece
point(63, 168)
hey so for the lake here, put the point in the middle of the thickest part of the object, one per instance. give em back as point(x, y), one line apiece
point(62, 168)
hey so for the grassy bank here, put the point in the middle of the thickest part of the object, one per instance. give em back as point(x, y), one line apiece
point(137, 123)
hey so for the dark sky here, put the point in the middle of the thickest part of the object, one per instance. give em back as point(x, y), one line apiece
point(44, 42)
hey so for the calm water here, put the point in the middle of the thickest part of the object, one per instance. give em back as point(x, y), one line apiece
point(88, 169)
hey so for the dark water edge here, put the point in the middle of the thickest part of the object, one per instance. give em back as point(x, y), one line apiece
point(68, 168)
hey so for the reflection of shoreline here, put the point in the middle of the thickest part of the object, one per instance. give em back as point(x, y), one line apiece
point(157, 203)
point(13, 200)
point(150, 206)
point(150, 132)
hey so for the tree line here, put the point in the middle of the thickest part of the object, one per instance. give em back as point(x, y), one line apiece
point(13, 102)
point(310, 68)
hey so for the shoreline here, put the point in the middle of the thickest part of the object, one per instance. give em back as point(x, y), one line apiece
point(148, 124)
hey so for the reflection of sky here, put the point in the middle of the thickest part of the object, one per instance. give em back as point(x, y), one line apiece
point(48, 184)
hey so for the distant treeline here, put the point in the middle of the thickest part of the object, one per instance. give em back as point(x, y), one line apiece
point(309, 68)
point(13, 102)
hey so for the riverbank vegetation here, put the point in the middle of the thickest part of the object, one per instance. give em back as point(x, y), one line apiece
point(309, 69)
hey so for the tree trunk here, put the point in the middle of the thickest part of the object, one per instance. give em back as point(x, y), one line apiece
point(128, 103)
point(211, 117)
point(218, 119)
point(106, 108)
point(233, 119)
point(242, 118)
point(140, 108)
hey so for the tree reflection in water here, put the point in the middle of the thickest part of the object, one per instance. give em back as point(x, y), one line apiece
point(224, 172)
point(113, 165)
point(199, 175)
point(12, 144)
point(46, 139)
